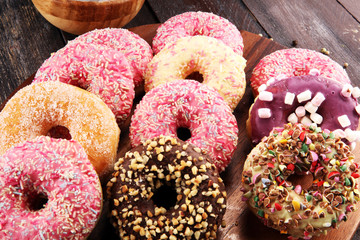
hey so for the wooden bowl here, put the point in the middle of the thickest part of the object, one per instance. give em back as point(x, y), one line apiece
point(80, 16)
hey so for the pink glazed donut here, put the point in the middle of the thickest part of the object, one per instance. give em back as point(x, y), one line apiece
point(95, 68)
point(48, 190)
point(295, 62)
point(198, 23)
point(189, 105)
point(136, 50)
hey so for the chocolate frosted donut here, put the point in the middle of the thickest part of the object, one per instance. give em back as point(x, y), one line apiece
point(166, 189)
point(306, 99)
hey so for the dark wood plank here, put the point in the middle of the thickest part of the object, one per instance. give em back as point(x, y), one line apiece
point(26, 40)
point(233, 10)
point(353, 6)
point(316, 26)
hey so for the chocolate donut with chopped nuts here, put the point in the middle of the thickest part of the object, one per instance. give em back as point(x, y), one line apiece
point(166, 189)
point(301, 212)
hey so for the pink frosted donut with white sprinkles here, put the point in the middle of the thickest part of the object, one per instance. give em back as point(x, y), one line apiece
point(198, 23)
point(136, 50)
point(295, 62)
point(95, 68)
point(191, 111)
point(48, 190)
point(220, 67)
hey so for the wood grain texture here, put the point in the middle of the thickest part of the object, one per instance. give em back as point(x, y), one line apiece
point(233, 10)
point(317, 26)
point(353, 7)
point(26, 40)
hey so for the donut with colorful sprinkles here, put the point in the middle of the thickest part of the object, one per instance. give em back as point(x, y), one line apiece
point(220, 67)
point(48, 190)
point(295, 62)
point(43, 108)
point(136, 50)
point(294, 210)
point(192, 107)
point(166, 189)
point(306, 99)
point(95, 68)
point(198, 23)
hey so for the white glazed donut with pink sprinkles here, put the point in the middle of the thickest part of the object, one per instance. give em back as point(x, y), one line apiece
point(136, 50)
point(198, 23)
point(192, 106)
point(95, 68)
point(295, 62)
point(48, 190)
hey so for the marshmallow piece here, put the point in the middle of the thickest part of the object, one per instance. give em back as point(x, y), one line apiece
point(318, 99)
point(356, 92)
point(350, 135)
point(352, 146)
point(304, 96)
point(292, 118)
point(344, 121)
point(266, 96)
point(310, 107)
point(306, 121)
point(316, 118)
point(289, 98)
point(262, 87)
point(300, 111)
point(357, 108)
point(347, 90)
point(270, 81)
point(339, 133)
point(264, 112)
point(314, 72)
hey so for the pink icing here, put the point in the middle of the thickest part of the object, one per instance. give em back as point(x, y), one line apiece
point(198, 23)
point(136, 50)
point(58, 169)
point(98, 69)
point(188, 104)
point(334, 105)
point(296, 62)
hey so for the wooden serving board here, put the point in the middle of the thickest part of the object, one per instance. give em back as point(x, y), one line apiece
point(240, 222)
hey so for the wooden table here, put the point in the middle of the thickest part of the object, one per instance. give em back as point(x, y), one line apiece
point(27, 39)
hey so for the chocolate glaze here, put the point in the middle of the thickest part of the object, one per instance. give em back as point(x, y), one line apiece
point(334, 105)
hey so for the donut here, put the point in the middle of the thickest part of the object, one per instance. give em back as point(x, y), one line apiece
point(48, 190)
point(295, 62)
point(136, 50)
point(191, 111)
point(198, 23)
point(307, 99)
point(220, 67)
point(96, 68)
point(166, 189)
point(40, 107)
point(294, 210)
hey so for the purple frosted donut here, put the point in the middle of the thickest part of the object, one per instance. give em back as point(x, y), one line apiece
point(136, 50)
point(189, 105)
point(48, 190)
point(198, 23)
point(98, 69)
point(295, 62)
point(307, 99)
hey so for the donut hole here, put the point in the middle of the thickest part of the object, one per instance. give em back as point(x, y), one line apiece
point(195, 76)
point(183, 133)
point(165, 196)
point(36, 201)
point(304, 180)
point(59, 132)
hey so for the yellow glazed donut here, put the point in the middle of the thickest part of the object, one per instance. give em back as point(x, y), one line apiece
point(221, 68)
point(300, 212)
point(38, 108)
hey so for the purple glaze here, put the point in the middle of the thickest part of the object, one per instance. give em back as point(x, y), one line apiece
point(334, 105)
